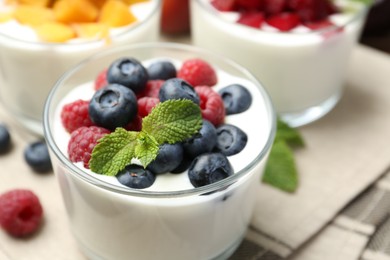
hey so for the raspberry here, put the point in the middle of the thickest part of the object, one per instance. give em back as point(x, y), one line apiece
point(82, 141)
point(312, 10)
point(253, 19)
point(211, 105)
point(75, 115)
point(272, 7)
point(249, 4)
point(101, 79)
point(224, 5)
point(198, 72)
point(284, 21)
point(319, 25)
point(146, 104)
point(135, 124)
point(20, 212)
point(152, 89)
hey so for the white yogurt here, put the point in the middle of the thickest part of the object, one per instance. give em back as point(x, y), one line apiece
point(303, 71)
point(29, 68)
point(189, 226)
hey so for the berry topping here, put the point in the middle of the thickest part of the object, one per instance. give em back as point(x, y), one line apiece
point(37, 156)
point(161, 70)
point(128, 72)
point(272, 7)
point(168, 158)
point(253, 19)
point(197, 72)
point(152, 89)
point(209, 168)
point(146, 104)
point(224, 5)
point(136, 176)
point(203, 142)
point(135, 124)
point(82, 141)
point(101, 80)
point(113, 106)
point(312, 10)
point(236, 98)
point(284, 21)
point(249, 4)
point(211, 105)
point(20, 212)
point(231, 139)
point(75, 115)
point(319, 25)
point(178, 89)
point(5, 139)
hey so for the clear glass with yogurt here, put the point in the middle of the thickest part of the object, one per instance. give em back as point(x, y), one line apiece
point(29, 67)
point(171, 220)
point(304, 71)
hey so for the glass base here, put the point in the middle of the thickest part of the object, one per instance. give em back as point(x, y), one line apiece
point(311, 114)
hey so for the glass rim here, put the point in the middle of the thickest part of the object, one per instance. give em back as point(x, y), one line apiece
point(79, 173)
point(361, 13)
point(83, 43)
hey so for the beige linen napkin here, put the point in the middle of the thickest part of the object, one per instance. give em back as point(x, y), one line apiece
point(345, 152)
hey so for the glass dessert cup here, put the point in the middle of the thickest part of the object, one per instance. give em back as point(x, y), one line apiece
point(116, 222)
point(304, 72)
point(29, 69)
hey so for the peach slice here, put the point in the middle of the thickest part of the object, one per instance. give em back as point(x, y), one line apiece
point(98, 3)
point(75, 11)
point(33, 15)
point(55, 32)
point(131, 2)
point(115, 13)
point(43, 3)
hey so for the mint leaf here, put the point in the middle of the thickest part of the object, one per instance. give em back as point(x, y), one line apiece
point(288, 134)
point(173, 121)
point(113, 152)
point(280, 170)
point(146, 149)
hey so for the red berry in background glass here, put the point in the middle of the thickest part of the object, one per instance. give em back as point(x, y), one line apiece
point(319, 25)
point(312, 10)
point(284, 21)
point(252, 19)
point(20, 212)
point(211, 105)
point(224, 5)
point(146, 104)
point(75, 115)
point(272, 7)
point(198, 72)
point(249, 4)
point(101, 80)
point(152, 89)
point(82, 141)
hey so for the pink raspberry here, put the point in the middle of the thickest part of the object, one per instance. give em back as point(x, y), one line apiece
point(101, 79)
point(284, 21)
point(146, 104)
point(224, 5)
point(253, 19)
point(211, 105)
point(197, 72)
point(152, 89)
point(249, 4)
point(20, 212)
point(75, 115)
point(82, 141)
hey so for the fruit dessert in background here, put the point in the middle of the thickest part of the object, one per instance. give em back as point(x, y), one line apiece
point(298, 49)
point(159, 134)
point(175, 17)
point(45, 38)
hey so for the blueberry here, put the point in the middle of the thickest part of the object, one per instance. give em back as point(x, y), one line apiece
point(176, 89)
point(203, 142)
point(113, 106)
point(169, 157)
point(230, 139)
point(5, 139)
point(37, 156)
point(184, 164)
point(136, 176)
point(128, 72)
point(162, 70)
point(236, 98)
point(208, 168)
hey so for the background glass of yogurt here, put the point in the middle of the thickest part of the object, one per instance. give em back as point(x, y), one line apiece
point(29, 68)
point(111, 221)
point(304, 71)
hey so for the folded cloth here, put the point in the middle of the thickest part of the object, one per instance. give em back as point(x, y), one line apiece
point(345, 152)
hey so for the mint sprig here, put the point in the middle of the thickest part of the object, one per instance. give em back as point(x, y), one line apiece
point(280, 169)
point(171, 121)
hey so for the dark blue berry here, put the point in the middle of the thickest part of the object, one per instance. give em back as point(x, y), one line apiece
point(209, 168)
point(168, 158)
point(184, 164)
point(136, 176)
point(177, 89)
point(128, 72)
point(37, 157)
point(113, 106)
point(162, 70)
point(230, 139)
point(5, 139)
point(236, 98)
point(203, 142)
